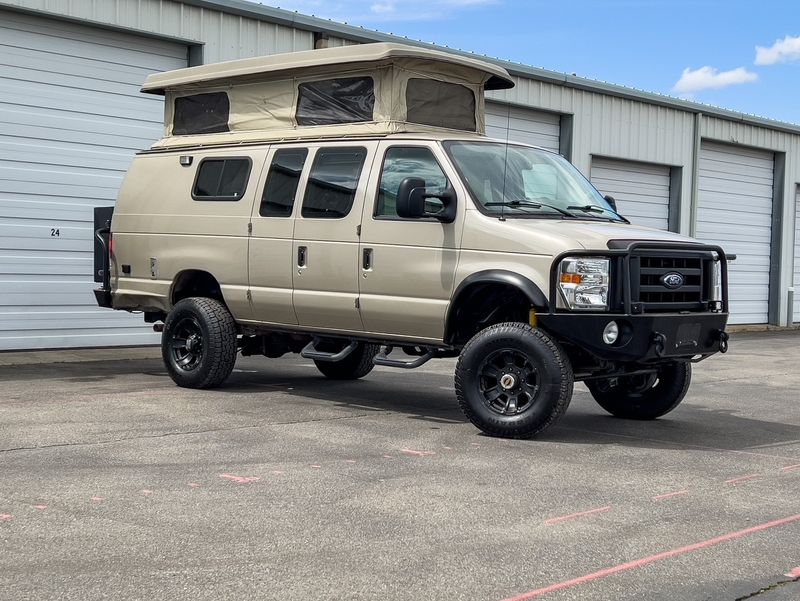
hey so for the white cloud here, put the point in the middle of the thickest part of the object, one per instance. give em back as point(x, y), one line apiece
point(782, 51)
point(709, 78)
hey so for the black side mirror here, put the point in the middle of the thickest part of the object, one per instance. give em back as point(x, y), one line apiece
point(610, 200)
point(411, 198)
point(411, 195)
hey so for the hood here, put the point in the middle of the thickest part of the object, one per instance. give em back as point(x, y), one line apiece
point(554, 236)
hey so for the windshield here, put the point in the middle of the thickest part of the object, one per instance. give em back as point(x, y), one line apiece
point(517, 181)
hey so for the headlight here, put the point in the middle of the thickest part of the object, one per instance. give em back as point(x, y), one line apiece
point(584, 283)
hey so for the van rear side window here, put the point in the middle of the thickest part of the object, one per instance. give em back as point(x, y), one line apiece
point(282, 182)
point(331, 101)
point(332, 182)
point(221, 179)
point(426, 97)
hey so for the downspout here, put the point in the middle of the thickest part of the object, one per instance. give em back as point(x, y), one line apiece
point(695, 193)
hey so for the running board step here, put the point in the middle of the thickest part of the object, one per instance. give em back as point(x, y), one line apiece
point(383, 359)
point(310, 352)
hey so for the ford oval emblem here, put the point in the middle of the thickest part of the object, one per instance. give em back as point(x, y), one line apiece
point(672, 280)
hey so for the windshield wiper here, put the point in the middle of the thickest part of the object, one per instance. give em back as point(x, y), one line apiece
point(596, 209)
point(528, 204)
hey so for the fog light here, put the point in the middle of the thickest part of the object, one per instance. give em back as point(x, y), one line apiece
point(611, 332)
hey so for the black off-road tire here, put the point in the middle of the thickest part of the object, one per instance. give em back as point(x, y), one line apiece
point(211, 326)
point(630, 398)
point(540, 367)
point(356, 365)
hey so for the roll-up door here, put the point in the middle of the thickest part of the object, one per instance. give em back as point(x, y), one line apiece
point(523, 125)
point(71, 118)
point(640, 189)
point(796, 306)
point(735, 211)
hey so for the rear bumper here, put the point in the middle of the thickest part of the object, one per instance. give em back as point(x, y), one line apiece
point(643, 338)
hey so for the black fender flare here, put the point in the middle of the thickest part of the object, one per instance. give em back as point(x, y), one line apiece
point(531, 291)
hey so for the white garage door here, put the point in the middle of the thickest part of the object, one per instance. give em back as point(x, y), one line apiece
point(71, 118)
point(735, 211)
point(796, 306)
point(640, 189)
point(523, 125)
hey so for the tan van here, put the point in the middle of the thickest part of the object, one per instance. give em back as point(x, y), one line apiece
point(346, 205)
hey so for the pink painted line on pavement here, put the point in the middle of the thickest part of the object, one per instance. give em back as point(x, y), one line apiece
point(315, 466)
point(146, 492)
point(240, 479)
point(735, 481)
point(193, 485)
point(669, 495)
point(97, 499)
point(574, 516)
point(39, 507)
point(795, 573)
point(278, 472)
point(638, 563)
point(6, 517)
point(413, 453)
point(791, 468)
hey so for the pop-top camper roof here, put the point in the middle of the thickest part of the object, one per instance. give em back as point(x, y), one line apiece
point(351, 90)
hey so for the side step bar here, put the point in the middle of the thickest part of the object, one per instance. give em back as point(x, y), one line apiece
point(383, 359)
point(310, 352)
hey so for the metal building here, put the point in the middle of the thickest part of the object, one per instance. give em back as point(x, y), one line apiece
point(71, 118)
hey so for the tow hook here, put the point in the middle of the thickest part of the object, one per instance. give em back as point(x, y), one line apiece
point(659, 342)
point(723, 341)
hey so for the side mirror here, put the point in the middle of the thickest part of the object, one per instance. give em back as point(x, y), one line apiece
point(610, 200)
point(411, 198)
point(411, 195)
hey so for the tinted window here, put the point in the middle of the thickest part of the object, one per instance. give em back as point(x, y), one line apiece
point(221, 179)
point(401, 163)
point(441, 104)
point(332, 182)
point(330, 101)
point(201, 114)
point(282, 182)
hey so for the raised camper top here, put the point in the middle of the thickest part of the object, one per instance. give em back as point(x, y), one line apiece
point(367, 89)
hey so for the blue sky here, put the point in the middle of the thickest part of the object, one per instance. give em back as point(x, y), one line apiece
point(703, 50)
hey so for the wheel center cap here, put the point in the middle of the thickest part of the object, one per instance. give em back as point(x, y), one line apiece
point(508, 381)
point(191, 343)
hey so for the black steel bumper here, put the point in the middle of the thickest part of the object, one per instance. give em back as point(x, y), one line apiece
point(103, 297)
point(643, 338)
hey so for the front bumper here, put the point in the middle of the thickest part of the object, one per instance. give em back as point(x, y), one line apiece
point(643, 338)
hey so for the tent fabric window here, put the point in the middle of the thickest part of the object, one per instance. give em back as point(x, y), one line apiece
point(441, 104)
point(201, 114)
point(332, 101)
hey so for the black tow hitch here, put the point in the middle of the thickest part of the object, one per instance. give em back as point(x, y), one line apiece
point(723, 341)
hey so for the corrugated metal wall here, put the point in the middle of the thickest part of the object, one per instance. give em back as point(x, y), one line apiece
point(224, 36)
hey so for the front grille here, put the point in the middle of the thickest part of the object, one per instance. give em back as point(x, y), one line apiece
point(647, 282)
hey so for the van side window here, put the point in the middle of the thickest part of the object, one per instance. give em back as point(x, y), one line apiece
point(400, 163)
point(331, 101)
point(221, 179)
point(201, 114)
point(332, 182)
point(282, 181)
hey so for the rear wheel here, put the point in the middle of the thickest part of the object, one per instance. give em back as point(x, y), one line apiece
point(355, 365)
point(646, 396)
point(513, 380)
point(198, 344)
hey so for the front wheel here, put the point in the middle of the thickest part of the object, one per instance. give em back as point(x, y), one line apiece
point(512, 380)
point(645, 396)
point(198, 344)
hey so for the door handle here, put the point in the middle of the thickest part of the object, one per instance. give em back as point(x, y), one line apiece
point(302, 253)
point(366, 259)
